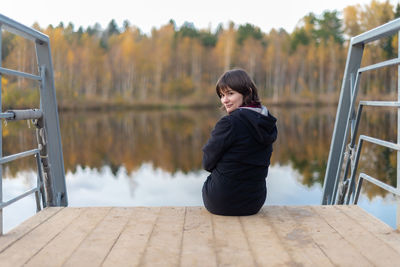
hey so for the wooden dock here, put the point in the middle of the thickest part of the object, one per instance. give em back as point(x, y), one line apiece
point(190, 236)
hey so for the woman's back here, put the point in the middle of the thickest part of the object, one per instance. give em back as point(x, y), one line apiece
point(238, 156)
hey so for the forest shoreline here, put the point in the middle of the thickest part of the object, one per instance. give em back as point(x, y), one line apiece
point(322, 101)
point(168, 105)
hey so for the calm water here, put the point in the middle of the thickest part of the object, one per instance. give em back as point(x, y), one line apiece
point(153, 158)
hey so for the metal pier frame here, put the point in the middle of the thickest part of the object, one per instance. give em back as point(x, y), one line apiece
point(343, 157)
point(51, 187)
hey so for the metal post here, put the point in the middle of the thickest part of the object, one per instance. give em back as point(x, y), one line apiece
point(337, 148)
point(350, 187)
point(38, 193)
point(398, 133)
point(1, 135)
point(48, 104)
point(349, 161)
point(354, 85)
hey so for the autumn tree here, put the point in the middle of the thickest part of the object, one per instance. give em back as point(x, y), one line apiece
point(180, 64)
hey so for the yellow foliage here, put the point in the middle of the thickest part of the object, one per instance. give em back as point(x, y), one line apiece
point(70, 57)
point(6, 131)
point(4, 82)
point(169, 64)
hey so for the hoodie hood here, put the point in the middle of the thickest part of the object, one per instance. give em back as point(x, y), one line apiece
point(259, 121)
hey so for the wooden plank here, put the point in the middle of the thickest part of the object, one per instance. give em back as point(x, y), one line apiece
point(339, 250)
point(311, 236)
point(131, 245)
point(63, 245)
point(15, 234)
point(372, 224)
point(96, 246)
point(268, 249)
point(231, 243)
point(164, 246)
point(22, 250)
point(374, 249)
point(301, 247)
point(198, 247)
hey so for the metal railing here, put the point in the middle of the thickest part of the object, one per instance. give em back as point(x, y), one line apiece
point(339, 188)
point(50, 187)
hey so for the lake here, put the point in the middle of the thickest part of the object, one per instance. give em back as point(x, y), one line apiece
point(153, 158)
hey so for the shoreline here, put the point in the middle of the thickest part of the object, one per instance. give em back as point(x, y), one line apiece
point(117, 106)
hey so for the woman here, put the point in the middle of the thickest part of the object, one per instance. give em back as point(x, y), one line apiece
point(239, 150)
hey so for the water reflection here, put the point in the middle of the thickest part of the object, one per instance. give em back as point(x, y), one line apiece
point(146, 186)
point(153, 158)
point(171, 140)
point(151, 186)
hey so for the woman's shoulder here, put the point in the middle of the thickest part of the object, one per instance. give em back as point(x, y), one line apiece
point(225, 121)
point(238, 114)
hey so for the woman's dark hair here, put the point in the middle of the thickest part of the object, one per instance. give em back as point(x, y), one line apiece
point(239, 81)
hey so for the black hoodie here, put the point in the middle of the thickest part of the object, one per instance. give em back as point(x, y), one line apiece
point(238, 156)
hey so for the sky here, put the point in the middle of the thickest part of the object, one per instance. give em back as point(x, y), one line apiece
point(145, 14)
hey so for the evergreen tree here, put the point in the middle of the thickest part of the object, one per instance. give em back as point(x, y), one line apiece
point(329, 26)
point(248, 31)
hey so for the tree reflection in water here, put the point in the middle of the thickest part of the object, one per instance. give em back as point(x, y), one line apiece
point(172, 140)
point(154, 158)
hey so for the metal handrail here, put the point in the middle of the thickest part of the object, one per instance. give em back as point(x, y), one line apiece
point(16, 156)
point(375, 181)
point(380, 142)
point(36, 190)
point(391, 62)
point(353, 122)
point(350, 188)
point(384, 30)
point(380, 103)
point(6, 115)
point(11, 201)
point(351, 155)
point(49, 158)
point(17, 28)
point(347, 119)
point(20, 74)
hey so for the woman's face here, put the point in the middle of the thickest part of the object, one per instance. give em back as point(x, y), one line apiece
point(231, 99)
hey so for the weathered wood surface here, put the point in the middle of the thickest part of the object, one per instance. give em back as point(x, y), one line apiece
point(190, 236)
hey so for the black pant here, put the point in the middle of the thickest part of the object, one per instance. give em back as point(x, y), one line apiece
point(225, 196)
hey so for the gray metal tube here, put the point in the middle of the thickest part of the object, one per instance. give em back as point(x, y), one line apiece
point(22, 30)
point(380, 103)
point(20, 74)
point(358, 190)
point(353, 171)
point(48, 103)
point(27, 193)
point(18, 155)
point(339, 132)
point(380, 142)
point(342, 195)
point(391, 62)
point(42, 193)
point(398, 132)
point(384, 30)
point(6, 115)
point(375, 181)
point(1, 139)
point(25, 114)
point(44, 159)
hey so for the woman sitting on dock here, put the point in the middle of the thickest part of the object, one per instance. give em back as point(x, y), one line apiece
point(239, 150)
